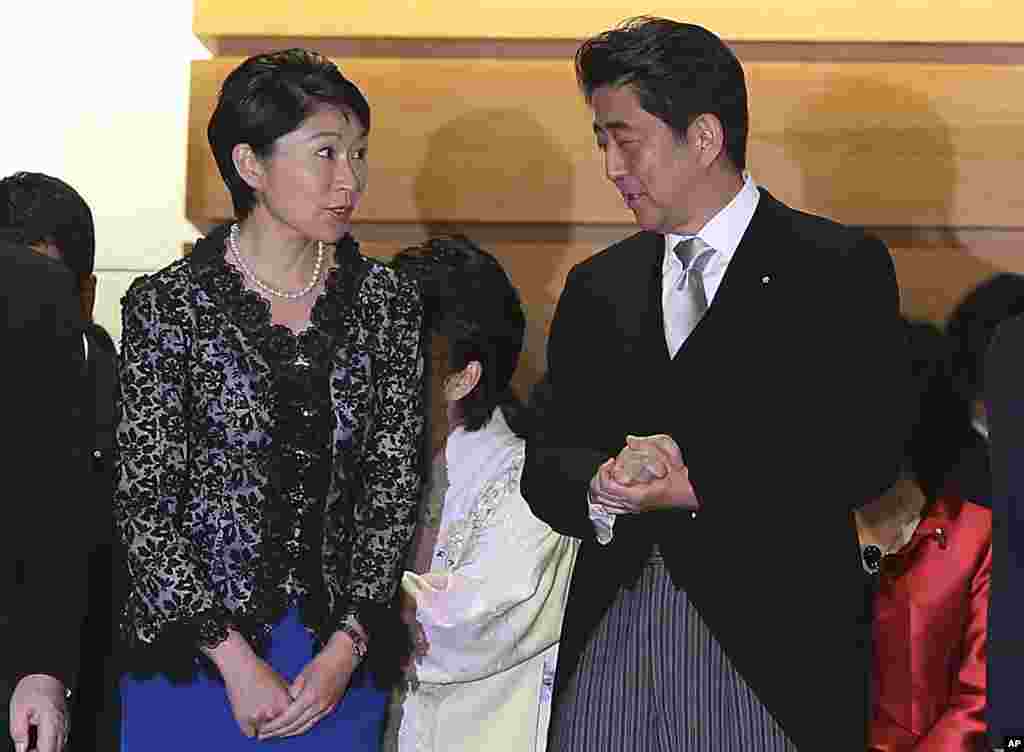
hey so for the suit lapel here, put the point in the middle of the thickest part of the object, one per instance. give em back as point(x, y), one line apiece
point(750, 264)
point(639, 319)
point(750, 272)
point(656, 313)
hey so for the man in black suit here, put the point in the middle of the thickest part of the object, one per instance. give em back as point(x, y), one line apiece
point(718, 599)
point(1004, 395)
point(42, 559)
point(50, 217)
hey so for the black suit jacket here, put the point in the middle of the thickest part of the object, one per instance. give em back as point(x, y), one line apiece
point(96, 710)
point(42, 545)
point(1004, 395)
point(775, 400)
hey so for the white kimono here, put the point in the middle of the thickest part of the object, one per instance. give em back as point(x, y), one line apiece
point(491, 607)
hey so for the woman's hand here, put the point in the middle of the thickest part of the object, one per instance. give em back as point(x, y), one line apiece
point(256, 692)
point(317, 690)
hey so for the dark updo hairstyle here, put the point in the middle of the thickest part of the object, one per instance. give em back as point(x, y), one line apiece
point(469, 300)
point(937, 415)
point(268, 96)
point(678, 71)
point(36, 208)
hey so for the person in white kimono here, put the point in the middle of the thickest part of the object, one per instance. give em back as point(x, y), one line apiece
point(488, 609)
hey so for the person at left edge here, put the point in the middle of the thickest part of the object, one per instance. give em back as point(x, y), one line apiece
point(270, 440)
point(50, 217)
point(42, 559)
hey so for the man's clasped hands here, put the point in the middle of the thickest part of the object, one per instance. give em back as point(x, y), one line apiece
point(647, 475)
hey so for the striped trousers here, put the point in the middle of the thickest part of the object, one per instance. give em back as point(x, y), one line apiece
point(652, 678)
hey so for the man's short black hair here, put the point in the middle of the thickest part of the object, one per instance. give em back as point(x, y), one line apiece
point(268, 96)
point(37, 208)
point(678, 71)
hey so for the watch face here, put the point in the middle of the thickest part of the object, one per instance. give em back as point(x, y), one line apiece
point(871, 557)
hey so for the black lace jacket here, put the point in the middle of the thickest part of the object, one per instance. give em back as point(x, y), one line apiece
point(260, 469)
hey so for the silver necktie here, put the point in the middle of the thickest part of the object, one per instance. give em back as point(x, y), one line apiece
point(689, 308)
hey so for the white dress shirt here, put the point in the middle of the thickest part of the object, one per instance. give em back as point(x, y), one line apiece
point(723, 232)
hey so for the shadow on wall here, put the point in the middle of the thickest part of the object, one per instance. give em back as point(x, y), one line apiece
point(850, 156)
point(499, 157)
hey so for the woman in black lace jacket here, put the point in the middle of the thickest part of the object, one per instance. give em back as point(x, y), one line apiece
point(270, 440)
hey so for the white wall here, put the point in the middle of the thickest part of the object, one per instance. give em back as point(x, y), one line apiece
point(96, 93)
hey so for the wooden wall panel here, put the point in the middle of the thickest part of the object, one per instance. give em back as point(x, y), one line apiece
point(899, 144)
point(452, 140)
point(978, 21)
point(934, 271)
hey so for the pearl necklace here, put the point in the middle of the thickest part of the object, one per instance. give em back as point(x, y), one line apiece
point(236, 251)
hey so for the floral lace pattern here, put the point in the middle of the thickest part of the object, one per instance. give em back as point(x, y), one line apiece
point(262, 469)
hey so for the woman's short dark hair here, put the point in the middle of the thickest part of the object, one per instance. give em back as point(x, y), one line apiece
point(469, 299)
point(678, 71)
point(268, 96)
point(37, 208)
point(974, 321)
point(937, 416)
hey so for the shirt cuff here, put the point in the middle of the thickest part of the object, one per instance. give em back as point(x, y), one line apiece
point(602, 520)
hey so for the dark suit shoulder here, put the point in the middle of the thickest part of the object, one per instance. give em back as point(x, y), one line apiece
point(812, 233)
point(100, 338)
point(1009, 334)
point(20, 265)
point(638, 250)
point(1004, 366)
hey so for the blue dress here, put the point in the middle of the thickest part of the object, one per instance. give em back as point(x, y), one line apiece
point(159, 716)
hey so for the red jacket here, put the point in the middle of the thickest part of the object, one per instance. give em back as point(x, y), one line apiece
point(931, 621)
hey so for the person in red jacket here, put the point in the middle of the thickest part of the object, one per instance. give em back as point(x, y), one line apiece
point(930, 556)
